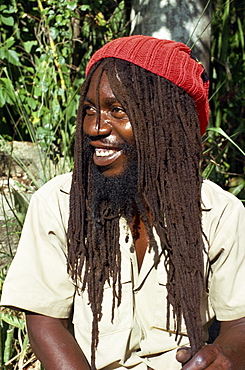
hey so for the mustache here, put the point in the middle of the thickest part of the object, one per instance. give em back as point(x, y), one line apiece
point(107, 142)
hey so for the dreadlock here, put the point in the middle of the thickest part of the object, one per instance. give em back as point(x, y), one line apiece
point(168, 145)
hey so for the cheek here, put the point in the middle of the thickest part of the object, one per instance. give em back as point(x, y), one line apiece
point(87, 124)
point(128, 126)
point(126, 132)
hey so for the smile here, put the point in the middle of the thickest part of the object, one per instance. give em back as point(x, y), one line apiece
point(104, 152)
point(104, 157)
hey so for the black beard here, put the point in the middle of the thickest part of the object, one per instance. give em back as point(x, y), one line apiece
point(118, 193)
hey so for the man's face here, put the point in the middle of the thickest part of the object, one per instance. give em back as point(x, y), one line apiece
point(108, 127)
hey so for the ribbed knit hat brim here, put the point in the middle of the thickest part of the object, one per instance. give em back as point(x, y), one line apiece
point(166, 58)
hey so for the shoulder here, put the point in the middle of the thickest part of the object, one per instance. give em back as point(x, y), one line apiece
point(223, 217)
point(52, 199)
point(56, 187)
point(214, 197)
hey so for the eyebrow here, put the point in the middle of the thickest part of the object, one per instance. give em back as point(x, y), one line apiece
point(107, 101)
point(88, 100)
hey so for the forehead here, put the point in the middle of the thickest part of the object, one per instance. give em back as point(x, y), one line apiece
point(99, 82)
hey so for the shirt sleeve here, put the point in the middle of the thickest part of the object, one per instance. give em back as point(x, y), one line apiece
point(37, 280)
point(227, 255)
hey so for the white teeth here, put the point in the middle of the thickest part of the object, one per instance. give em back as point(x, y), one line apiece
point(103, 152)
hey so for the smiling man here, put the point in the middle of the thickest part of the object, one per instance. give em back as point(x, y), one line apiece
point(134, 246)
point(110, 132)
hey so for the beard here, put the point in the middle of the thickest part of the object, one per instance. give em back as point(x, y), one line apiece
point(117, 193)
point(113, 196)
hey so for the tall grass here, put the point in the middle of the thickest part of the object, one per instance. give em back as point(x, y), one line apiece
point(224, 146)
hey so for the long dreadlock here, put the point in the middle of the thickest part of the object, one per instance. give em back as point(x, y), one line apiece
point(166, 131)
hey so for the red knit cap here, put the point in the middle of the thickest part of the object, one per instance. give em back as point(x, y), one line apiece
point(168, 59)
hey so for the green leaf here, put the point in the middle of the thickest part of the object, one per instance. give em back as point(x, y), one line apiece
point(84, 8)
point(223, 133)
point(61, 60)
point(2, 99)
point(236, 185)
point(8, 345)
point(9, 42)
point(6, 92)
point(208, 170)
point(5, 98)
point(37, 91)
point(10, 10)
point(12, 57)
point(8, 21)
point(71, 5)
point(12, 320)
point(54, 32)
point(2, 52)
point(32, 103)
point(58, 19)
point(28, 45)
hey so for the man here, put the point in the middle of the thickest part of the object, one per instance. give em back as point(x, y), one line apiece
point(135, 245)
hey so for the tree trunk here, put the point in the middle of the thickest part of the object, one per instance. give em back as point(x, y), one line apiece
point(179, 20)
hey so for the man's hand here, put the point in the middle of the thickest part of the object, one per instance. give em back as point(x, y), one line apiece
point(226, 353)
point(210, 357)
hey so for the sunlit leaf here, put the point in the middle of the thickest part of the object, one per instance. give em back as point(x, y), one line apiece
point(13, 320)
point(220, 131)
point(12, 57)
point(8, 21)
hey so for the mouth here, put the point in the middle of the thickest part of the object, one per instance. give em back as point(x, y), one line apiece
point(106, 156)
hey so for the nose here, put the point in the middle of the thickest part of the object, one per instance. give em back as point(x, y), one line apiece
point(99, 125)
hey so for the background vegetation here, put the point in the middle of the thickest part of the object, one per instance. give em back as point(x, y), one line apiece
point(224, 149)
point(44, 47)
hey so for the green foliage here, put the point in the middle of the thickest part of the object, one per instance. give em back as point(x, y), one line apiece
point(44, 47)
point(224, 159)
point(15, 351)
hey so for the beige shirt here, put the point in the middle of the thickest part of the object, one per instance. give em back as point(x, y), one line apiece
point(37, 280)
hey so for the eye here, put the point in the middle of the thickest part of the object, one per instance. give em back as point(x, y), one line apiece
point(89, 110)
point(118, 112)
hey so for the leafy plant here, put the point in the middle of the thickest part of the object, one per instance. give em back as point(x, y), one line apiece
point(224, 159)
point(15, 352)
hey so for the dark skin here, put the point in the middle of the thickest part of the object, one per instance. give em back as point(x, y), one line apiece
point(49, 337)
point(140, 238)
point(53, 344)
point(227, 351)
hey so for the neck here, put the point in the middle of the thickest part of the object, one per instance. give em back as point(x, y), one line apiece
point(140, 237)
